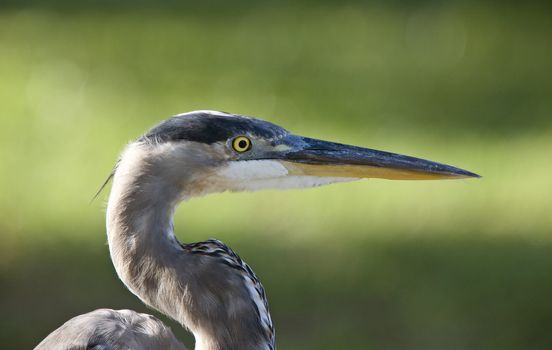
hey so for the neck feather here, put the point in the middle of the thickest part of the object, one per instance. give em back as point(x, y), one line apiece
point(140, 230)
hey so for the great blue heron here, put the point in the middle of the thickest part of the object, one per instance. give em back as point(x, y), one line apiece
point(205, 286)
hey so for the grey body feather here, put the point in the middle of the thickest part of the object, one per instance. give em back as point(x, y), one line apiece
point(106, 329)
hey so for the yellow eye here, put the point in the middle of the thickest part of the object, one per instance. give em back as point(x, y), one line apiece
point(241, 144)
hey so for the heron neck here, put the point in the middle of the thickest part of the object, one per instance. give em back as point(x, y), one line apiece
point(155, 266)
point(142, 244)
point(143, 247)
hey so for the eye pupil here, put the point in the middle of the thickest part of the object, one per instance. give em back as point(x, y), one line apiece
point(242, 144)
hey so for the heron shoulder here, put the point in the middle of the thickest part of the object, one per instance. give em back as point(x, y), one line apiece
point(105, 329)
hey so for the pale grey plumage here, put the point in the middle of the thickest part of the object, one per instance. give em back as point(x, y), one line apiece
point(106, 329)
point(205, 286)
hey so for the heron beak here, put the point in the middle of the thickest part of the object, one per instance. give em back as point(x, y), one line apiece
point(311, 157)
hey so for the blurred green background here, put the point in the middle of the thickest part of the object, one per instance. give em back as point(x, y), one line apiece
point(368, 265)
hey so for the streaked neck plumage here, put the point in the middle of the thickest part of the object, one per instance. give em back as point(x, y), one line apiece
point(204, 286)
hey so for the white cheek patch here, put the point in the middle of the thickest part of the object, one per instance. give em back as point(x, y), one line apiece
point(253, 170)
point(290, 182)
point(257, 175)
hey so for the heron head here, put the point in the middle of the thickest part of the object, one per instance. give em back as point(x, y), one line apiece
point(215, 151)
